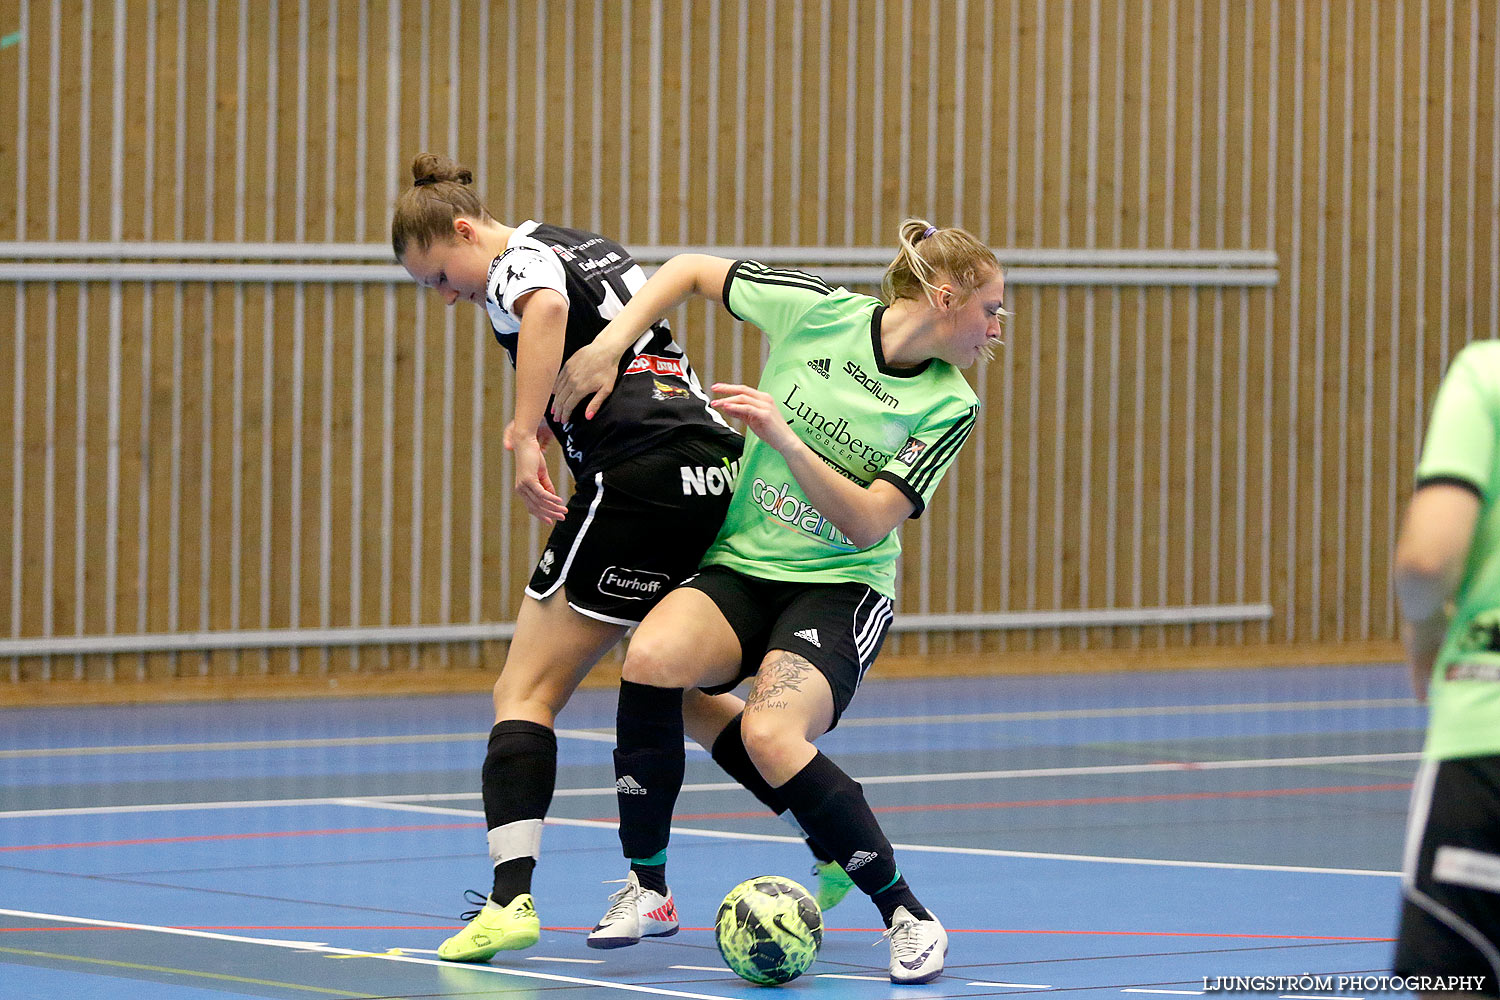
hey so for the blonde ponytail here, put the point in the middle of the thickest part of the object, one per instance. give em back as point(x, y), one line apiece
point(928, 253)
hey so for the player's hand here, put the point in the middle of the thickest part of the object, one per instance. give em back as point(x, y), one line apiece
point(759, 412)
point(533, 482)
point(592, 369)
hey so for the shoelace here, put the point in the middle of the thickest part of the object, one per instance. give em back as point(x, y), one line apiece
point(905, 940)
point(621, 899)
point(474, 898)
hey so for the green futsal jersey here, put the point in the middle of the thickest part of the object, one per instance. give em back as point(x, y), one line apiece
point(1463, 447)
point(866, 420)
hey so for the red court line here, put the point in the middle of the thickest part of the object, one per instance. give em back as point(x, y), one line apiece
point(849, 930)
point(1098, 800)
point(244, 836)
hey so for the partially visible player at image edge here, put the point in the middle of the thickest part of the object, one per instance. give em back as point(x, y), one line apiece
point(1447, 578)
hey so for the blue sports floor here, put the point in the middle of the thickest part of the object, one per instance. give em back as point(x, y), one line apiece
point(1086, 835)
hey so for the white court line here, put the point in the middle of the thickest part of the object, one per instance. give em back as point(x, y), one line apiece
point(839, 975)
point(1185, 993)
point(919, 848)
point(1018, 986)
point(608, 735)
point(697, 968)
point(331, 950)
point(572, 961)
point(726, 835)
point(718, 786)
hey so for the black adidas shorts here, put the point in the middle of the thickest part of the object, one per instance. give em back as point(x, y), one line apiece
point(1450, 881)
point(633, 532)
point(837, 627)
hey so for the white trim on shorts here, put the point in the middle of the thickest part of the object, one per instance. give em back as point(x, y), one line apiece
point(603, 617)
point(867, 636)
point(562, 574)
point(1416, 828)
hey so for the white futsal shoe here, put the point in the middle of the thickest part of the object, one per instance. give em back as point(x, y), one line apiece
point(918, 948)
point(634, 913)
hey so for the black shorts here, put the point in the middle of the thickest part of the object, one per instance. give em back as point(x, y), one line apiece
point(1450, 881)
point(837, 627)
point(633, 532)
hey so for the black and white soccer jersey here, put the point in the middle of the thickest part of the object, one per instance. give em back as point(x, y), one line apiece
point(656, 394)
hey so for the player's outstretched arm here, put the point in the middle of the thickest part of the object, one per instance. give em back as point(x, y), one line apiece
point(592, 369)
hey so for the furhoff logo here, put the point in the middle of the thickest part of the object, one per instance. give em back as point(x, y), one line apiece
point(632, 584)
point(548, 558)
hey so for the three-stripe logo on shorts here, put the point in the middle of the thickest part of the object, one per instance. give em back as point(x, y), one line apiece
point(870, 625)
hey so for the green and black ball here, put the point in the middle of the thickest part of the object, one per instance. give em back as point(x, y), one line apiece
point(769, 929)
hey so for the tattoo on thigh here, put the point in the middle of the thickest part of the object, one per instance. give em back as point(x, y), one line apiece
point(780, 675)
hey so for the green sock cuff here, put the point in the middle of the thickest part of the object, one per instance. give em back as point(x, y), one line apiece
point(888, 884)
point(657, 859)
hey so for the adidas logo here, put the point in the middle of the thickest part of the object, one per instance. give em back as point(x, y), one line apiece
point(629, 786)
point(859, 859)
point(809, 635)
point(819, 365)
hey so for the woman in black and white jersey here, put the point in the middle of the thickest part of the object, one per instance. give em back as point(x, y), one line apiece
point(653, 470)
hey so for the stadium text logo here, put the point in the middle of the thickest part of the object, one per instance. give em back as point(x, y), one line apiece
point(872, 385)
point(835, 431)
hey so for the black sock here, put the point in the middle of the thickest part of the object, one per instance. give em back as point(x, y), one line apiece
point(831, 807)
point(653, 877)
point(649, 764)
point(899, 894)
point(729, 753)
point(519, 774)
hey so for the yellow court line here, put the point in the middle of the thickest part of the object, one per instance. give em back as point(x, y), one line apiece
point(177, 972)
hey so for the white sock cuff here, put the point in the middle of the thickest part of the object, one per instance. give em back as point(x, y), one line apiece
point(521, 839)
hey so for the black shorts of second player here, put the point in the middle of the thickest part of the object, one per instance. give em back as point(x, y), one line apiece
point(634, 531)
point(1450, 884)
point(837, 627)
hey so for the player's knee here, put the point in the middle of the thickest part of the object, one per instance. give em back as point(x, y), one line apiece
point(532, 702)
point(657, 664)
point(768, 741)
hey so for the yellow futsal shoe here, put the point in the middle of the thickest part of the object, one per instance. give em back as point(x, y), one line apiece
point(492, 929)
point(833, 884)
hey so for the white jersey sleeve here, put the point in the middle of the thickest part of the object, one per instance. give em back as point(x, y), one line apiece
point(524, 267)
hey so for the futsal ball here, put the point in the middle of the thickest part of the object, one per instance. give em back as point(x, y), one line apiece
point(769, 929)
